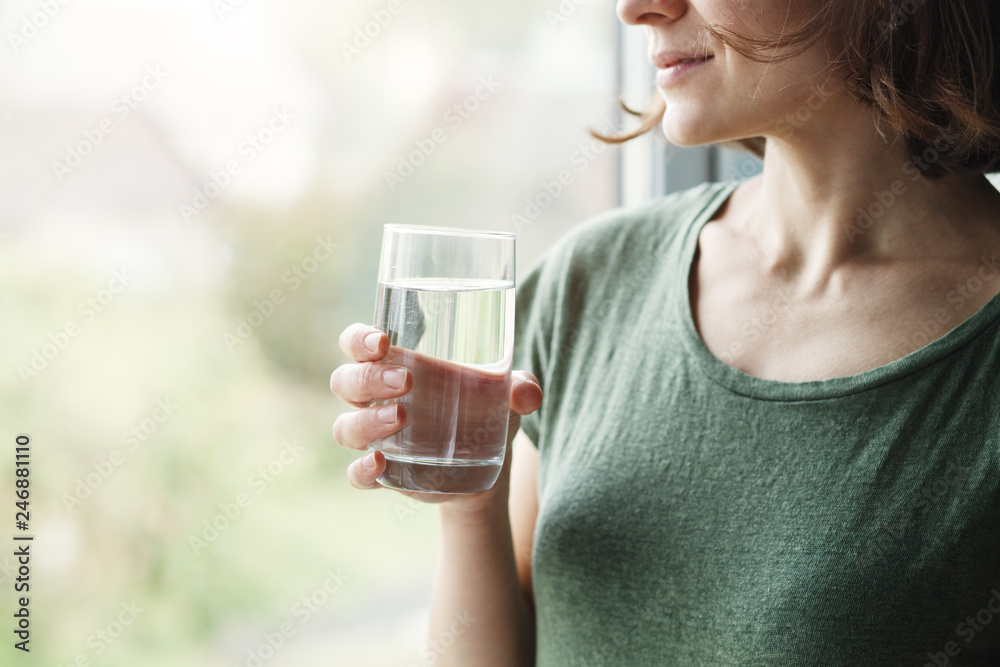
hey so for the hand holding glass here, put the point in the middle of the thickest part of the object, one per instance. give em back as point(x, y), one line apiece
point(446, 301)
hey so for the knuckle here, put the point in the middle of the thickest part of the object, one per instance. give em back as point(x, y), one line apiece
point(352, 339)
point(367, 420)
point(358, 339)
point(356, 478)
point(375, 428)
point(371, 422)
point(371, 374)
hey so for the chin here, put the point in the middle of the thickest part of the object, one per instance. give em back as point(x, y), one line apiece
point(688, 131)
point(694, 126)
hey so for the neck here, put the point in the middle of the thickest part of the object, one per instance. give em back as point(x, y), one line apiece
point(835, 192)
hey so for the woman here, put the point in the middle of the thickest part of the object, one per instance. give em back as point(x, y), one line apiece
point(771, 426)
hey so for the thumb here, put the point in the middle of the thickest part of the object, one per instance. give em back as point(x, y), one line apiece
point(525, 393)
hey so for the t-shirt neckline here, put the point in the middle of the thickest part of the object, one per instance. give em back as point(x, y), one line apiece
point(749, 385)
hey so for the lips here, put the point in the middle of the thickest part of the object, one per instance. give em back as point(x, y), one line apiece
point(668, 60)
point(672, 67)
point(685, 61)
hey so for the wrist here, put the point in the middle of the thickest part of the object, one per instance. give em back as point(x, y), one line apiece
point(478, 510)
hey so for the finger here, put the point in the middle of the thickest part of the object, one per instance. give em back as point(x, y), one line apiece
point(525, 393)
point(363, 473)
point(363, 342)
point(359, 428)
point(359, 383)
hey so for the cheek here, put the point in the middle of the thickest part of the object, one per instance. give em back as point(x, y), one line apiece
point(763, 18)
point(774, 90)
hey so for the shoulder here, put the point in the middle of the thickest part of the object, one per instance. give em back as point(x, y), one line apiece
point(627, 234)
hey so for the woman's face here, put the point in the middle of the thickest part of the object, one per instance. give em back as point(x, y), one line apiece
point(715, 94)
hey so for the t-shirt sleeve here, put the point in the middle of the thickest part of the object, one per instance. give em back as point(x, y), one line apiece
point(536, 303)
point(551, 309)
point(569, 306)
point(543, 301)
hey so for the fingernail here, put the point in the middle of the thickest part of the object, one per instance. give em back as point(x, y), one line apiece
point(387, 414)
point(368, 462)
point(372, 340)
point(395, 377)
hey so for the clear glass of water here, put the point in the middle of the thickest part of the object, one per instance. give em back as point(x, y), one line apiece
point(446, 300)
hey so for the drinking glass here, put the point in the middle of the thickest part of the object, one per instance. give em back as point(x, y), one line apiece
point(446, 300)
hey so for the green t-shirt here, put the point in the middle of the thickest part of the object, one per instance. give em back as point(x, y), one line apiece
point(691, 514)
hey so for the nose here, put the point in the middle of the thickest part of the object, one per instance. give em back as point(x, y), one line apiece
point(650, 12)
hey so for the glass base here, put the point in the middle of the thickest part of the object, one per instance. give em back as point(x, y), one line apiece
point(439, 475)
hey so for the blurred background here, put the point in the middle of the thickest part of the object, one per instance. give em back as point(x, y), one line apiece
point(192, 196)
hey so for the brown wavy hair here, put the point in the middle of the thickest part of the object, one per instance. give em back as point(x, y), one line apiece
point(929, 69)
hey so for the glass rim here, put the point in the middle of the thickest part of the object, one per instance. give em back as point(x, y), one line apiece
point(447, 231)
